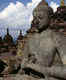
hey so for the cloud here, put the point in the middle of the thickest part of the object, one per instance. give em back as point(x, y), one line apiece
point(14, 15)
point(54, 6)
point(18, 15)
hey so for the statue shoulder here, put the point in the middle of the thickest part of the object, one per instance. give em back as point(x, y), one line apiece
point(56, 36)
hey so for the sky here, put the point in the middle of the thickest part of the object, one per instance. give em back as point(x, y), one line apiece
point(17, 14)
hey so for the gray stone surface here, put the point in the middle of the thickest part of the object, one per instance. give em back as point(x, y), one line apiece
point(43, 47)
point(43, 44)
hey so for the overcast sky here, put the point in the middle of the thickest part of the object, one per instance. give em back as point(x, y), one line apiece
point(17, 14)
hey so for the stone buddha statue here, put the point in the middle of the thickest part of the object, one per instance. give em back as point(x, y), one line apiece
point(43, 44)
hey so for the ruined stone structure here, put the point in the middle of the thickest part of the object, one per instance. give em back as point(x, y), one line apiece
point(20, 44)
point(7, 43)
point(10, 54)
point(59, 21)
point(43, 46)
point(8, 40)
point(20, 37)
point(1, 42)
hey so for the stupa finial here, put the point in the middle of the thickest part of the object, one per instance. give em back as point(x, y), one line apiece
point(7, 31)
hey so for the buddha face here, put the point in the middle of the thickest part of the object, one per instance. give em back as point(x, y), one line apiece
point(40, 18)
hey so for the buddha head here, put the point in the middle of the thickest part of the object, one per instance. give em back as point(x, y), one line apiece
point(41, 16)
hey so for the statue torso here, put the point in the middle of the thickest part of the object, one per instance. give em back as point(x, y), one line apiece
point(42, 45)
